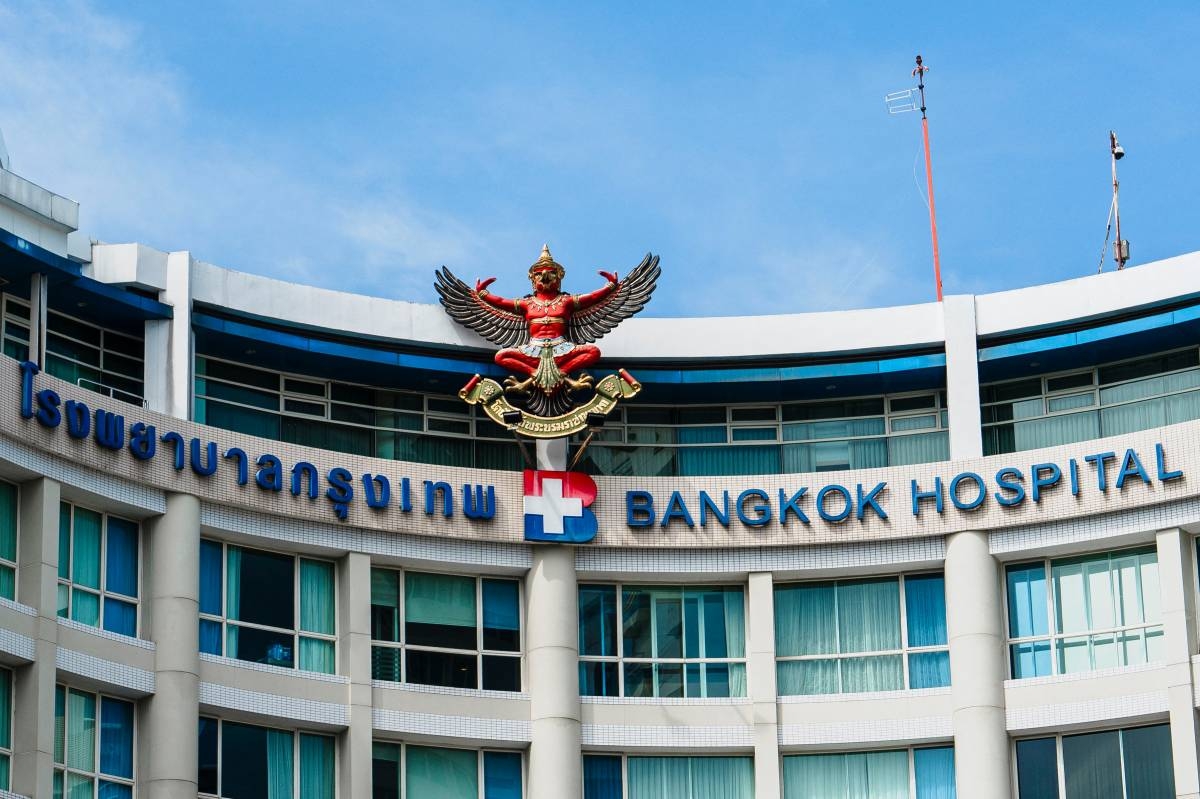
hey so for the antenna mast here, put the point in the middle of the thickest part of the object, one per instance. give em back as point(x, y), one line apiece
point(1120, 246)
point(919, 72)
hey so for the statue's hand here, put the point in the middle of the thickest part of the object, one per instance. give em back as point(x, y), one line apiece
point(611, 277)
point(481, 285)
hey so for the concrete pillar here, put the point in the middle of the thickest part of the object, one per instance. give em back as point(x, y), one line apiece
point(33, 693)
point(1177, 581)
point(552, 655)
point(38, 299)
point(975, 626)
point(760, 628)
point(172, 388)
point(354, 661)
point(170, 716)
point(962, 377)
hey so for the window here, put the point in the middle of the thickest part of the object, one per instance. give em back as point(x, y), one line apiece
point(444, 773)
point(6, 726)
point(98, 558)
point(917, 773)
point(8, 540)
point(617, 777)
point(1123, 764)
point(785, 438)
point(442, 629)
point(93, 745)
point(1105, 610)
point(1108, 400)
point(16, 327)
point(97, 358)
point(363, 420)
point(265, 607)
point(242, 761)
point(674, 641)
point(851, 636)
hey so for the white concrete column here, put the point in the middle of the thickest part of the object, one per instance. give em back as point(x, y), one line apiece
point(552, 657)
point(962, 377)
point(760, 629)
point(38, 298)
point(354, 661)
point(37, 586)
point(171, 345)
point(975, 626)
point(1177, 581)
point(169, 718)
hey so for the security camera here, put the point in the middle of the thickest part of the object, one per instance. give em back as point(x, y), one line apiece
point(1118, 152)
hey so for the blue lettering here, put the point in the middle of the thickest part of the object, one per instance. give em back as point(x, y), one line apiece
point(639, 509)
point(476, 506)
point(243, 464)
point(834, 488)
point(707, 505)
point(208, 464)
point(870, 500)
point(1039, 483)
point(1099, 460)
point(792, 505)
point(406, 495)
point(1014, 485)
point(1160, 460)
point(1074, 472)
point(378, 491)
point(299, 472)
point(270, 473)
point(676, 510)
point(173, 438)
point(79, 419)
point(110, 430)
point(28, 370)
point(761, 510)
point(431, 493)
point(340, 491)
point(143, 441)
point(937, 495)
point(1131, 466)
point(48, 401)
point(961, 478)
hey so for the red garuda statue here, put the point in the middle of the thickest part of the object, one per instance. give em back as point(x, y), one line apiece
point(547, 335)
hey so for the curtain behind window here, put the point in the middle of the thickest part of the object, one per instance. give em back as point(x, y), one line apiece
point(934, 772)
point(316, 767)
point(444, 773)
point(279, 764)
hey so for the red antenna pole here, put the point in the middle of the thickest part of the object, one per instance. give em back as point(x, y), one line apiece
point(919, 72)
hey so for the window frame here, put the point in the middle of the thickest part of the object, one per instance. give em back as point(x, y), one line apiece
point(909, 751)
point(295, 732)
point(96, 776)
point(1054, 638)
point(479, 763)
point(295, 632)
point(624, 756)
point(904, 652)
point(7, 752)
point(102, 593)
point(13, 564)
point(479, 652)
point(1060, 764)
point(620, 659)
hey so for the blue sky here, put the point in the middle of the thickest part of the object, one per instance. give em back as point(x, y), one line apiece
point(361, 145)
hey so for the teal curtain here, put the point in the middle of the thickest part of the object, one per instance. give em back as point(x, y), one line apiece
point(501, 775)
point(4, 769)
point(1052, 430)
point(64, 542)
point(279, 764)
point(317, 655)
point(751, 459)
point(925, 609)
point(805, 619)
point(85, 561)
point(865, 775)
point(60, 724)
point(869, 615)
point(435, 773)
point(5, 710)
point(735, 639)
point(1149, 770)
point(439, 599)
point(316, 597)
point(81, 730)
point(691, 778)
point(934, 773)
point(233, 585)
point(316, 767)
point(8, 521)
point(1092, 765)
point(918, 448)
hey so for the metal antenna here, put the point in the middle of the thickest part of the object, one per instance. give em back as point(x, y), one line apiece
point(1120, 246)
point(909, 100)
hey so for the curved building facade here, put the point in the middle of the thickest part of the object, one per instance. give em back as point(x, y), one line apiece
point(253, 545)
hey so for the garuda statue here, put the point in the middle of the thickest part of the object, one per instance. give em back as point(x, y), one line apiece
point(548, 335)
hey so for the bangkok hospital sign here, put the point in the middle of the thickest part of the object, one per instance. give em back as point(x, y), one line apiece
point(918, 500)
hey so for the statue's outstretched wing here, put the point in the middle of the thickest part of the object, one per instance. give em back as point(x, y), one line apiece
point(630, 297)
point(498, 326)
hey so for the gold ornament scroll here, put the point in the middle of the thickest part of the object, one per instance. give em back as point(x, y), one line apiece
point(490, 395)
